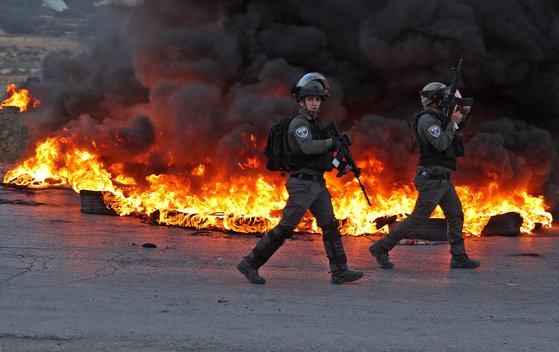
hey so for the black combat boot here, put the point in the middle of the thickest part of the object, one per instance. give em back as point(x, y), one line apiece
point(250, 272)
point(341, 274)
point(461, 261)
point(381, 256)
point(332, 240)
point(264, 249)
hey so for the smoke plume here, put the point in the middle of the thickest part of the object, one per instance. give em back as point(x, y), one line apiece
point(184, 82)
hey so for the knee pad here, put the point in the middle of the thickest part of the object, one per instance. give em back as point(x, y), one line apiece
point(330, 230)
point(281, 232)
point(332, 225)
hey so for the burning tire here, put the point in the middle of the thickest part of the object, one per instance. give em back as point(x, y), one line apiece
point(92, 203)
point(507, 224)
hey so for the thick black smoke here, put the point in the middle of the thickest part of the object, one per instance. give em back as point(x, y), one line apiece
point(205, 75)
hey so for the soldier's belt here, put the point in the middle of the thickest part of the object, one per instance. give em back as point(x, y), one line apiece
point(426, 173)
point(309, 177)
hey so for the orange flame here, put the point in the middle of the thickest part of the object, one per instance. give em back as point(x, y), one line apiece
point(199, 170)
point(252, 204)
point(19, 98)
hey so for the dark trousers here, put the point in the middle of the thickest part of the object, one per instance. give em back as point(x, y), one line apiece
point(304, 195)
point(432, 192)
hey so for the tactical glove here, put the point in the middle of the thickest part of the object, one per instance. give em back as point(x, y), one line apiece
point(345, 138)
point(336, 144)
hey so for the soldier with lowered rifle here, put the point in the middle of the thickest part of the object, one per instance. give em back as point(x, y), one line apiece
point(311, 154)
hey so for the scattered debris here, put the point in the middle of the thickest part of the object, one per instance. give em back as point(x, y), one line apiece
point(201, 233)
point(382, 221)
point(526, 255)
point(406, 241)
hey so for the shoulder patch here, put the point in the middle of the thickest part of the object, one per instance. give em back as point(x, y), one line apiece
point(302, 132)
point(435, 131)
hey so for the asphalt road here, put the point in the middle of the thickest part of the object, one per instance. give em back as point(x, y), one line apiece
point(79, 282)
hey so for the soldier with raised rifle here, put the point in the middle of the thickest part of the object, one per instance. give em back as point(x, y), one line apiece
point(437, 129)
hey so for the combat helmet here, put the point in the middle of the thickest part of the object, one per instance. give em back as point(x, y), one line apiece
point(312, 84)
point(435, 92)
point(430, 92)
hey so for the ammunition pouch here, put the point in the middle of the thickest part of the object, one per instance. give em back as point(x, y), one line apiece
point(429, 173)
point(319, 162)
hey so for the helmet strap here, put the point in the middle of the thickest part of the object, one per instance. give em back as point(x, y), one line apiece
point(304, 106)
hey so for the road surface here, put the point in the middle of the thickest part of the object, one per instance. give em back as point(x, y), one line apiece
point(71, 281)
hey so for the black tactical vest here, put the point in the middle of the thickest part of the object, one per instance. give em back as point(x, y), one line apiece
point(319, 162)
point(428, 155)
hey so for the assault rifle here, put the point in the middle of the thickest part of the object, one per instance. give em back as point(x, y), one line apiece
point(343, 156)
point(446, 98)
